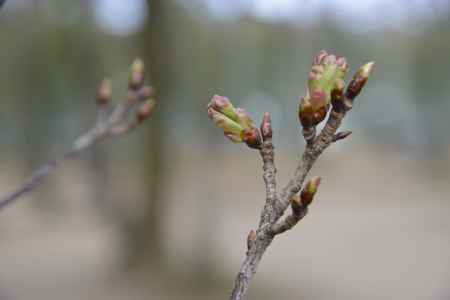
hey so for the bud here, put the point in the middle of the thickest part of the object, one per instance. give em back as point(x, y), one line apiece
point(341, 135)
point(252, 138)
point(266, 127)
point(137, 75)
point(310, 189)
point(359, 80)
point(232, 129)
point(243, 118)
point(145, 110)
point(327, 73)
point(309, 114)
point(296, 205)
point(235, 122)
point(104, 92)
point(146, 92)
point(251, 238)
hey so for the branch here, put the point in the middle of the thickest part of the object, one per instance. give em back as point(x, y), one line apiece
point(111, 122)
point(325, 89)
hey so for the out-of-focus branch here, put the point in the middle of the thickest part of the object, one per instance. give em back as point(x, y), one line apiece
point(115, 121)
point(325, 89)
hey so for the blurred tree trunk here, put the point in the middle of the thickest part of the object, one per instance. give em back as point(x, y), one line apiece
point(147, 234)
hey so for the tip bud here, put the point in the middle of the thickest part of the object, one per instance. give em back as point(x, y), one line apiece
point(359, 80)
point(266, 127)
point(327, 74)
point(310, 189)
point(137, 74)
point(235, 122)
point(366, 69)
point(145, 110)
point(104, 92)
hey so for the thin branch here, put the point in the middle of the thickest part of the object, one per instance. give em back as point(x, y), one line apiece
point(313, 109)
point(110, 123)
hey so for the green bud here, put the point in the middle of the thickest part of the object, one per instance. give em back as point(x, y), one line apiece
point(231, 129)
point(235, 122)
point(310, 189)
point(136, 75)
point(327, 73)
point(224, 106)
point(243, 118)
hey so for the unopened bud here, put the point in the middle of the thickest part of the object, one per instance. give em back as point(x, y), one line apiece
point(145, 110)
point(359, 80)
point(104, 93)
point(243, 118)
point(310, 189)
point(235, 122)
point(296, 205)
point(137, 74)
point(224, 106)
point(251, 238)
point(266, 127)
point(327, 73)
point(341, 135)
point(232, 129)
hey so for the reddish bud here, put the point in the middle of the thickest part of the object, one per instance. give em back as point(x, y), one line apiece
point(252, 138)
point(266, 127)
point(104, 93)
point(359, 80)
point(145, 110)
point(251, 238)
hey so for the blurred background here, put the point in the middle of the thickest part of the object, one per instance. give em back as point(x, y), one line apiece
point(163, 213)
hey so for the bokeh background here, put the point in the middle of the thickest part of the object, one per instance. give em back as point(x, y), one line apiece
point(163, 212)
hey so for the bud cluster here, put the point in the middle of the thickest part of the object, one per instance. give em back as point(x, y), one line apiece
point(235, 122)
point(326, 75)
point(326, 85)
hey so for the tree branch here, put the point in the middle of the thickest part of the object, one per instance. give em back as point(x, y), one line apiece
point(111, 122)
point(325, 88)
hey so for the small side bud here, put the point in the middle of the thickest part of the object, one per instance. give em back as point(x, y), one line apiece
point(359, 80)
point(310, 189)
point(305, 113)
point(251, 238)
point(296, 205)
point(104, 93)
point(252, 138)
point(145, 110)
point(136, 75)
point(266, 127)
point(341, 135)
